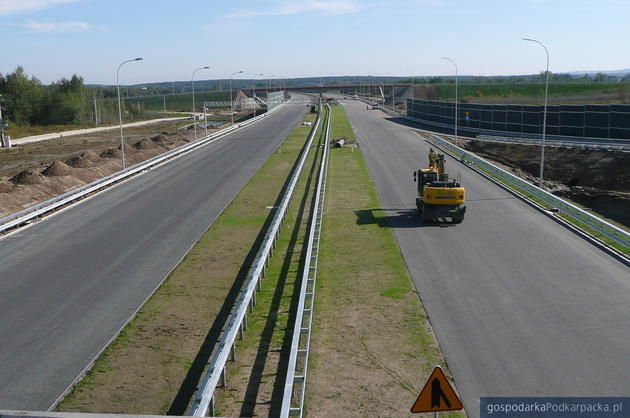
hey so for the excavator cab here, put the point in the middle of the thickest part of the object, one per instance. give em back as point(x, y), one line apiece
point(423, 177)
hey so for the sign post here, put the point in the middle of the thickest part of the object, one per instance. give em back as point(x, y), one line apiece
point(437, 395)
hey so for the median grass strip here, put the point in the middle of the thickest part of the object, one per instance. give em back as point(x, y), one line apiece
point(256, 380)
point(154, 366)
point(372, 345)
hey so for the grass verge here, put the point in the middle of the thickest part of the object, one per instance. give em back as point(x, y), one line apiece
point(256, 379)
point(154, 366)
point(372, 346)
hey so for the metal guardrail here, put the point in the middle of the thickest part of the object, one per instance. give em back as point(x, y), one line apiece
point(301, 340)
point(203, 404)
point(608, 230)
point(554, 142)
point(40, 209)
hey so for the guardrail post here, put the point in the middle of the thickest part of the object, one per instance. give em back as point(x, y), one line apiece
point(211, 407)
point(224, 375)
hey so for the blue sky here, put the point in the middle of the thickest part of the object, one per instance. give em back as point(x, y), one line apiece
point(290, 38)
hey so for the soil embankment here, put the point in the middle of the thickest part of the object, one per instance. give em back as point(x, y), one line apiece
point(33, 173)
point(596, 179)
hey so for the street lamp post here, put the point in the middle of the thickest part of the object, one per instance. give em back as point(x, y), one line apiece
point(413, 86)
point(456, 76)
point(253, 92)
point(192, 78)
point(232, 100)
point(267, 88)
point(122, 142)
point(542, 145)
point(393, 95)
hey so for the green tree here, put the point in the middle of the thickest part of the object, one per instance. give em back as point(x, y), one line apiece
point(67, 102)
point(25, 97)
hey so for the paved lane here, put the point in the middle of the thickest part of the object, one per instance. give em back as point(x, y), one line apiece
point(520, 305)
point(68, 283)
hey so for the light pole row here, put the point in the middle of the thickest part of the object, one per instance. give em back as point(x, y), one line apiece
point(122, 142)
point(544, 127)
point(194, 109)
point(231, 100)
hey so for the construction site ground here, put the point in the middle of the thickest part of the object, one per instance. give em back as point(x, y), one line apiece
point(35, 172)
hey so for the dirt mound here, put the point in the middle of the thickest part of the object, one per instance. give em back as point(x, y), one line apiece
point(111, 153)
point(26, 177)
point(145, 144)
point(90, 155)
point(607, 170)
point(57, 168)
point(161, 138)
point(6, 186)
point(80, 162)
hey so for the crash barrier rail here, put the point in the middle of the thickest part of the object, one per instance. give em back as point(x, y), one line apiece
point(554, 142)
point(203, 404)
point(581, 216)
point(606, 229)
point(40, 209)
point(506, 137)
point(301, 340)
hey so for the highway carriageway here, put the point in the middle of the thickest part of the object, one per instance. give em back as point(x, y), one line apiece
point(521, 305)
point(69, 283)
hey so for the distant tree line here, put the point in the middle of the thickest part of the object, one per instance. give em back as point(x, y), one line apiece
point(67, 101)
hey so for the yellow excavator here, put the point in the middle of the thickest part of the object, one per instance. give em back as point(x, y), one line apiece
point(439, 197)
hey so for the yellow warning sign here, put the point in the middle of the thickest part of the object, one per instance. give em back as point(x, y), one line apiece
point(437, 395)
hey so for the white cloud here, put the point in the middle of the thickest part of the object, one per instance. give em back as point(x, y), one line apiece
point(8, 7)
point(48, 27)
point(331, 7)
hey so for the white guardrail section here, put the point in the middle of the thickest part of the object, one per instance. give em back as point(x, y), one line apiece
point(606, 229)
point(548, 142)
point(301, 340)
point(203, 404)
point(50, 205)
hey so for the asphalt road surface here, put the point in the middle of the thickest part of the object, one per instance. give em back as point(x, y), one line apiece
point(69, 282)
point(520, 305)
